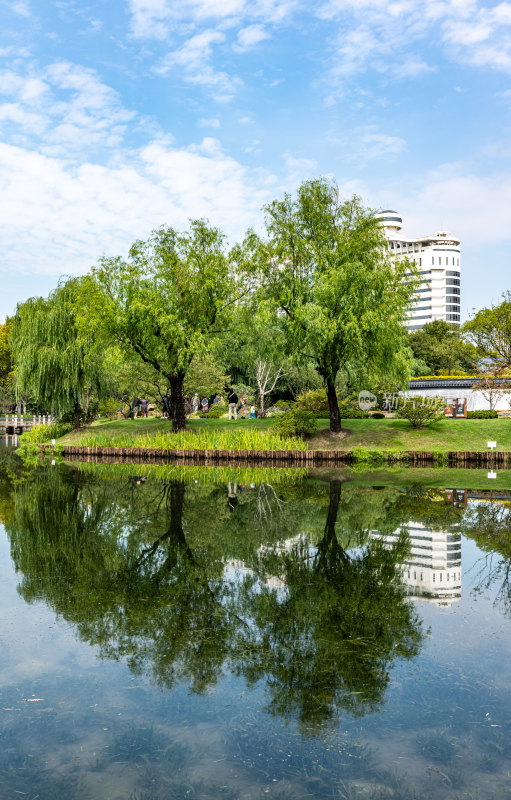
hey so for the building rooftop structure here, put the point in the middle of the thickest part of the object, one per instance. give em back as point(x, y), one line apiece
point(437, 257)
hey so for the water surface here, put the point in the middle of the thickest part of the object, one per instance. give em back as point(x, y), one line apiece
point(211, 633)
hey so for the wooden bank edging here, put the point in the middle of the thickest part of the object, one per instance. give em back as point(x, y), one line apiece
point(451, 458)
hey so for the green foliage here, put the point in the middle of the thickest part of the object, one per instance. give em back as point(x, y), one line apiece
point(36, 435)
point(109, 408)
point(377, 415)
point(420, 416)
point(45, 433)
point(7, 384)
point(315, 401)
point(57, 429)
point(439, 345)
point(205, 377)
point(295, 422)
point(354, 413)
point(326, 269)
point(490, 331)
point(482, 414)
point(216, 410)
point(243, 390)
point(283, 405)
point(53, 362)
point(164, 301)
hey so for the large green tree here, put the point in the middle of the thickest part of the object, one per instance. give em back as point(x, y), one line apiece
point(490, 331)
point(54, 362)
point(165, 302)
point(440, 345)
point(7, 393)
point(325, 267)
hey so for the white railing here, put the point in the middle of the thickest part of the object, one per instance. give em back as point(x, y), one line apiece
point(18, 421)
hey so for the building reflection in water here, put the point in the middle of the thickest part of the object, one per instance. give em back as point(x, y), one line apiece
point(433, 571)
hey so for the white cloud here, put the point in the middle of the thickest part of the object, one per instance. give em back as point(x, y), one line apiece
point(375, 34)
point(192, 62)
point(298, 169)
point(378, 145)
point(75, 213)
point(64, 107)
point(212, 122)
point(249, 37)
point(473, 207)
point(156, 18)
point(21, 7)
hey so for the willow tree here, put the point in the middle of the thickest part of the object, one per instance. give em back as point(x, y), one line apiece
point(165, 302)
point(326, 269)
point(53, 362)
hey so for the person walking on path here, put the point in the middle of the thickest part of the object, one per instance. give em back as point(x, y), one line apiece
point(232, 399)
point(195, 403)
point(252, 412)
point(205, 405)
point(143, 408)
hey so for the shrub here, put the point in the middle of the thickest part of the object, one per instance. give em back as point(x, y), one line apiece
point(58, 429)
point(295, 422)
point(109, 408)
point(482, 414)
point(216, 410)
point(45, 433)
point(377, 415)
point(280, 406)
point(354, 413)
point(315, 401)
point(36, 435)
point(422, 415)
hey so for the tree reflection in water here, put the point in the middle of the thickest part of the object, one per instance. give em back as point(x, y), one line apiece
point(141, 570)
point(489, 524)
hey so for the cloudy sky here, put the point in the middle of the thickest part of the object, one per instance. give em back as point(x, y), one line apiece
point(117, 116)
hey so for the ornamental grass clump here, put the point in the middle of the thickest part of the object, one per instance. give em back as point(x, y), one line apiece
point(248, 439)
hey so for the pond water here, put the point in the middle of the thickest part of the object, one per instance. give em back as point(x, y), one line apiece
point(187, 632)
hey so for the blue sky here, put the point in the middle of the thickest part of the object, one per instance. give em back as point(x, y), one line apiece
point(117, 117)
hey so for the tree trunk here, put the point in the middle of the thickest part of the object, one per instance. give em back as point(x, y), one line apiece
point(333, 405)
point(177, 401)
point(77, 414)
point(331, 556)
point(261, 404)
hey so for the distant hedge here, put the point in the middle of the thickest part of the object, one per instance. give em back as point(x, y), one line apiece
point(482, 415)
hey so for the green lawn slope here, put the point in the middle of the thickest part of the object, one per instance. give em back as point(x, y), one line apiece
point(382, 434)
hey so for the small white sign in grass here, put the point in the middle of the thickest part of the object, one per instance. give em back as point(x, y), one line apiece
point(492, 445)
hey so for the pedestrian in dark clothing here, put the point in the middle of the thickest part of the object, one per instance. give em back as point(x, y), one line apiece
point(143, 407)
point(232, 399)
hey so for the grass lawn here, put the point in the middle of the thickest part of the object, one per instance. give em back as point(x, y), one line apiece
point(382, 434)
point(448, 434)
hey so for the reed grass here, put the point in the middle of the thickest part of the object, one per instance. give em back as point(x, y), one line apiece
point(204, 439)
point(199, 474)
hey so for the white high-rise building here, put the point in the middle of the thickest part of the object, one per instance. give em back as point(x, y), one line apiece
point(438, 261)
